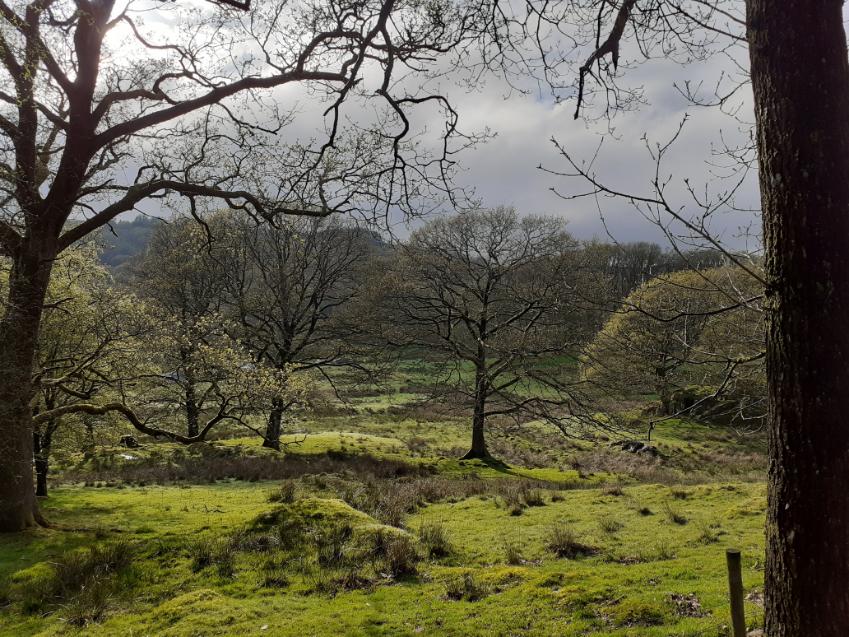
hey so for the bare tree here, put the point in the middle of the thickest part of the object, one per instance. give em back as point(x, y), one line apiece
point(493, 295)
point(286, 287)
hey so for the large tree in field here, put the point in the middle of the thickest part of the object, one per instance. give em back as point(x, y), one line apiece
point(495, 297)
point(701, 329)
point(286, 288)
point(99, 113)
point(194, 371)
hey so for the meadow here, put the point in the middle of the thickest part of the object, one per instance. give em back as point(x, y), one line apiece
point(368, 524)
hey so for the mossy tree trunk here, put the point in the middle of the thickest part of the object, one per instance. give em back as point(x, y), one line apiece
point(19, 328)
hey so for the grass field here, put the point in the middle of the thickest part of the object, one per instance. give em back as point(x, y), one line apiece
point(369, 525)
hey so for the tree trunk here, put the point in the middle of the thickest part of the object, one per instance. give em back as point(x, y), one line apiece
point(18, 337)
point(272, 428)
point(192, 410)
point(800, 78)
point(478, 449)
point(41, 452)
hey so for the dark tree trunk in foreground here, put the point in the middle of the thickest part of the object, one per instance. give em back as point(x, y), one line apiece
point(272, 428)
point(800, 77)
point(18, 338)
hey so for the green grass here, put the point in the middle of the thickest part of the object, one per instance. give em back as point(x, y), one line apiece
point(625, 588)
point(226, 559)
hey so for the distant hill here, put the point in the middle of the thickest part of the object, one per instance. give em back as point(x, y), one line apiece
point(126, 240)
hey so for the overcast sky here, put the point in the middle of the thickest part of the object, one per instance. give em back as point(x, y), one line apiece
point(505, 170)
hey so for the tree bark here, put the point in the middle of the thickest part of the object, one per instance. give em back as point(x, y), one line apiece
point(19, 327)
point(800, 78)
point(41, 453)
point(273, 427)
point(192, 413)
point(192, 409)
point(478, 449)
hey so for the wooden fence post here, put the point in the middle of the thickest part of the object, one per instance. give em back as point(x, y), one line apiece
point(735, 588)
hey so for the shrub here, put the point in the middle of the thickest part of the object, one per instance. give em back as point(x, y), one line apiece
point(81, 582)
point(609, 524)
point(400, 555)
point(562, 540)
point(513, 553)
point(275, 580)
point(663, 551)
point(533, 497)
point(88, 606)
point(674, 515)
point(434, 537)
point(290, 530)
point(708, 534)
point(286, 494)
point(465, 588)
point(512, 497)
point(614, 489)
point(220, 553)
point(331, 544)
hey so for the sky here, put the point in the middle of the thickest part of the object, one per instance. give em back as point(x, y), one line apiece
point(519, 165)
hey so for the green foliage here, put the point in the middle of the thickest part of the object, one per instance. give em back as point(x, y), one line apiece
point(681, 329)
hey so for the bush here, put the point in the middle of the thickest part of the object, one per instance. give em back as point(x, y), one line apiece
point(434, 537)
point(398, 554)
point(513, 553)
point(674, 515)
point(708, 533)
point(562, 540)
point(331, 544)
point(275, 580)
point(533, 497)
point(286, 494)
point(614, 489)
point(609, 524)
point(465, 588)
point(663, 551)
point(512, 497)
point(220, 553)
point(89, 606)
